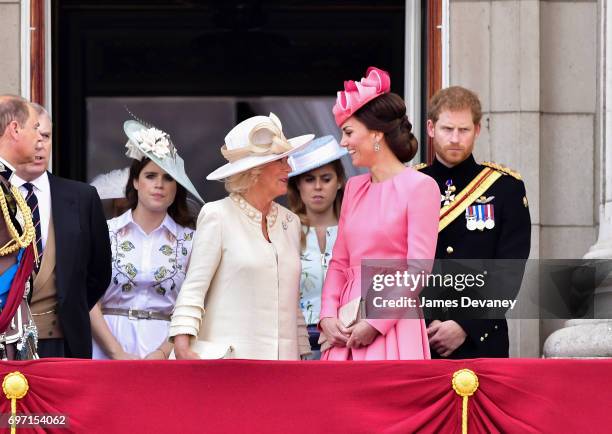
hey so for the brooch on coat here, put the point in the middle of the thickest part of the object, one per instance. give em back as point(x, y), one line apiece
point(448, 197)
point(286, 221)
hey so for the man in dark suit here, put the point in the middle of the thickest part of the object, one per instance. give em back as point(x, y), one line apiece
point(484, 216)
point(74, 268)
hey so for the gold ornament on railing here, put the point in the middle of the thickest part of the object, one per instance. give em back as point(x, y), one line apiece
point(465, 383)
point(15, 386)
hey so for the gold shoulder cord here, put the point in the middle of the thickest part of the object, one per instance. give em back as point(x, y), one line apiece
point(503, 169)
point(29, 233)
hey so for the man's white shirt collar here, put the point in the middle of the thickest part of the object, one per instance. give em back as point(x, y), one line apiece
point(41, 183)
point(7, 164)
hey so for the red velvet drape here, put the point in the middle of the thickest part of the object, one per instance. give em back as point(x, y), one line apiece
point(234, 396)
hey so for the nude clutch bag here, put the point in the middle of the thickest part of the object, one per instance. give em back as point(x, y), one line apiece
point(348, 314)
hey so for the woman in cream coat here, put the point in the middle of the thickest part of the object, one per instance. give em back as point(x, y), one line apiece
point(241, 294)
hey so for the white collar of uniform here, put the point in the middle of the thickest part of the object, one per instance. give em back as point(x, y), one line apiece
point(126, 218)
point(7, 164)
point(41, 183)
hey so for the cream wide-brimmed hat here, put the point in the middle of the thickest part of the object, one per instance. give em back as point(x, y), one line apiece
point(254, 142)
point(148, 141)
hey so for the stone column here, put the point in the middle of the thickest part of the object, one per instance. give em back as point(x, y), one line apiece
point(593, 338)
point(10, 13)
point(494, 52)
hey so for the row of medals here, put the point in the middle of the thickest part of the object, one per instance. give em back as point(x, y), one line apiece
point(472, 223)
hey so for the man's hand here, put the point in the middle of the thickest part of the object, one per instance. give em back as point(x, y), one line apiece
point(362, 334)
point(445, 337)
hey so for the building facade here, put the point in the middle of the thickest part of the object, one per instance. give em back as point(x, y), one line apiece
point(541, 69)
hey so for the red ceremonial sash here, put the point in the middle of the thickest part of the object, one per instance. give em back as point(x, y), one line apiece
point(15, 295)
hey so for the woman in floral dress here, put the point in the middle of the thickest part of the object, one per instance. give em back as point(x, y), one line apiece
point(151, 247)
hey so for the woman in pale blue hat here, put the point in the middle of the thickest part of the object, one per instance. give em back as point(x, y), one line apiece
point(151, 247)
point(315, 194)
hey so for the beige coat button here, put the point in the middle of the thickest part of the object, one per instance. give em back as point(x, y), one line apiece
point(449, 250)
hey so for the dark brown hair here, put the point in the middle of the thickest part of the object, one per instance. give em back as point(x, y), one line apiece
point(387, 114)
point(454, 98)
point(178, 210)
point(297, 205)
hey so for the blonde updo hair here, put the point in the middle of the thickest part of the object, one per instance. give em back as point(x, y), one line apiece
point(241, 182)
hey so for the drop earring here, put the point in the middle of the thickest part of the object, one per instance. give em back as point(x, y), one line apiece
point(376, 147)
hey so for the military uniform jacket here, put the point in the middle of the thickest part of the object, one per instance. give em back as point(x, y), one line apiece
point(18, 339)
point(508, 239)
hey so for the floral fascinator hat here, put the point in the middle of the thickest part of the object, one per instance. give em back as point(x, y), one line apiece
point(256, 141)
point(148, 141)
point(356, 94)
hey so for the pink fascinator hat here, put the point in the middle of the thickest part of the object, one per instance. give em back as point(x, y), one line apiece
point(358, 93)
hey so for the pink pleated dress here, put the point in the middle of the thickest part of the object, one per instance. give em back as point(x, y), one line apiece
point(393, 219)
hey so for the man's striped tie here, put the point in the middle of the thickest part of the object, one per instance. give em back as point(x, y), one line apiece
point(32, 202)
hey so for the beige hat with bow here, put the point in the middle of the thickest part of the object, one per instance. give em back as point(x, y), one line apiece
point(254, 142)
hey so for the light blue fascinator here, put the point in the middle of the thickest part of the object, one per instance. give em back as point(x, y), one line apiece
point(148, 141)
point(318, 153)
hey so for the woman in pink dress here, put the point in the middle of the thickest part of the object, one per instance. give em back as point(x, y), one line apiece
point(389, 213)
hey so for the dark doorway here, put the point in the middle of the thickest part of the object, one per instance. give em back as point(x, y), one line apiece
point(197, 49)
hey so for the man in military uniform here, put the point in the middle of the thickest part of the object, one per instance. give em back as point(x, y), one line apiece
point(484, 215)
point(20, 139)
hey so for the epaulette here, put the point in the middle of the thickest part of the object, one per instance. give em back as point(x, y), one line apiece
point(503, 169)
point(419, 166)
